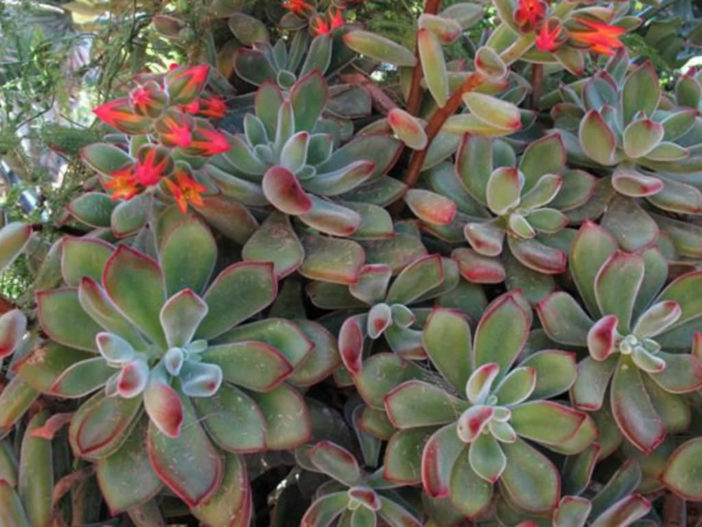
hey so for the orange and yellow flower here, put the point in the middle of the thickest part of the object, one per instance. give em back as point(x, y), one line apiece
point(208, 143)
point(212, 106)
point(550, 36)
point(185, 190)
point(600, 37)
point(123, 184)
point(150, 169)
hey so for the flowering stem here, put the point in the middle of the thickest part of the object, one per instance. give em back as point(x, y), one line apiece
point(414, 99)
point(432, 129)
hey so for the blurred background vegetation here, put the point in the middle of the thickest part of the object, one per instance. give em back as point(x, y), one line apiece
point(59, 59)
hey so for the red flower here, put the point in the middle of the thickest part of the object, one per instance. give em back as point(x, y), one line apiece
point(185, 190)
point(208, 142)
point(550, 36)
point(174, 131)
point(602, 38)
point(529, 13)
point(120, 114)
point(212, 106)
point(320, 26)
point(299, 7)
point(123, 184)
point(184, 84)
point(192, 107)
point(148, 99)
point(336, 19)
point(150, 169)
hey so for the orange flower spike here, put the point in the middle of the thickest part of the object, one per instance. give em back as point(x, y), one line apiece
point(184, 84)
point(186, 190)
point(123, 184)
point(299, 7)
point(336, 19)
point(213, 106)
point(192, 107)
point(149, 171)
point(603, 38)
point(529, 13)
point(120, 114)
point(320, 26)
point(209, 143)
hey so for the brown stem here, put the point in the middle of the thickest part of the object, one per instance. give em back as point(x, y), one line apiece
point(414, 99)
point(674, 511)
point(537, 77)
point(432, 129)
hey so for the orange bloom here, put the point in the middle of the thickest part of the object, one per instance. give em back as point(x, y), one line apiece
point(209, 143)
point(149, 170)
point(299, 7)
point(123, 184)
point(192, 107)
point(529, 13)
point(602, 38)
point(320, 26)
point(336, 19)
point(550, 36)
point(212, 106)
point(186, 190)
point(176, 133)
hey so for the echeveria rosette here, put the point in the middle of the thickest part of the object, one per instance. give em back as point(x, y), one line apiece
point(620, 123)
point(471, 422)
point(353, 497)
point(390, 304)
point(638, 337)
point(289, 157)
point(181, 353)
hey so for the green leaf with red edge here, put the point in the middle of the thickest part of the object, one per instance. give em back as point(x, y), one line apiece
point(105, 158)
point(253, 283)
point(163, 404)
point(621, 484)
point(93, 209)
point(501, 333)
point(546, 422)
point(640, 93)
point(253, 365)
point(544, 190)
point(282, 334)
point(402, 463)
point(632, 183)
point(632, 407)
point(331, 218)
point(470, 494)
point(416, 403)
point(408, 129)
point(323, 511)
point(563, 319)
point(231, 504)
point(83, 257)
point(128, 217)
point(516, 387)
point(379, 48)
point(584, 436)
point(617, 284)
point(486, 458)
point(577, 470)
point(13, 239)
point(180, 269)
point(322, 360)
point(685, 291)
point(284, 192)
point(13, 325)
point(430, 207)
point(538, 256)
point(371, 286)
point(431, 56)
point(395, 515)
point(682, 373)
point(439, 455)
point(340, 181)
point(447, 340)
point(683, 468)
point(63, 319)
point(530, 479)
point(477, 268)
point(233, 420)
point(591, 383)
point(541, 157)
point(597, 139)
point(376, 148)
point(11, 507)
point(331, 260)
point(555, 372)
point(416, 279)
point(485, 237)
point(630, 224)
point(572, 511)
point(102, 424)
point(287, 418)
point(641, 137)
point(380, 374)
point(82, 378)
point(134, 282)
point(503, 189)
point(493, 111)
point(308, 96)
point(180, 316)
point(625, 512)
point(35, 473)
point(336, 462)
point(275, 241)
point(15, 399)
point(126, 478)
point(474, 164)
point(188, 464)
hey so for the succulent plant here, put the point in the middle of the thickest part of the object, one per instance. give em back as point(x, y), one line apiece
point(355, 498)
point(636, 337)
point(466, 430)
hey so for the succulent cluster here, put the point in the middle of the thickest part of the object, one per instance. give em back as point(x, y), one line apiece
point(328, 280)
